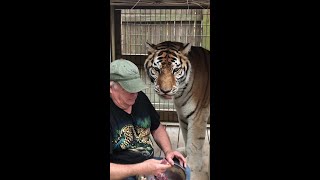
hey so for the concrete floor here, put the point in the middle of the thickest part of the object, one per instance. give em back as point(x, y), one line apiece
point(177, 141)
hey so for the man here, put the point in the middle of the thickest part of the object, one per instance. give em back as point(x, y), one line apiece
point(132, 119)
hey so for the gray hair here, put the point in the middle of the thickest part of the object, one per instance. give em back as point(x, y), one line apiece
point(114, 84)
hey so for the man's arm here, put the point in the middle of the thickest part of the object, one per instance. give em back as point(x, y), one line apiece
point(161, 137)
point(148, 167)
point(121, 171)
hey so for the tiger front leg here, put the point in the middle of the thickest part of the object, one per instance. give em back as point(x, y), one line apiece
point(184, 131)
point(195, 142)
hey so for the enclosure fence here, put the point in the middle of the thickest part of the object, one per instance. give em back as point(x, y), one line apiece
point(135, 27)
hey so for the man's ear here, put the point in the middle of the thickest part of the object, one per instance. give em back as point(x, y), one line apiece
point(111, 84)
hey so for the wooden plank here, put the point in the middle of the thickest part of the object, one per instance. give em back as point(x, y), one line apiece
point(117, 29)
point(160, 17)
point(170, 117)
point(175, 124)
point(161, 3)
point(206, 30)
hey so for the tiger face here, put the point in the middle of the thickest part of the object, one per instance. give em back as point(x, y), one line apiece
point(168, 67)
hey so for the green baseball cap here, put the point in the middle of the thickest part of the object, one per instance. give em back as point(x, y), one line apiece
point(127, 75)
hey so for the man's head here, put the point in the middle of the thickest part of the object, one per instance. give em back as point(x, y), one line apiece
point(125, 83)
point(127, 75)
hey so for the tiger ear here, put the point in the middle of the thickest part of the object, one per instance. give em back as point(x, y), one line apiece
point(150, 47)
point(185, 50)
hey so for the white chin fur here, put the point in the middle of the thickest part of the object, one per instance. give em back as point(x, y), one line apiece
point(167, 96)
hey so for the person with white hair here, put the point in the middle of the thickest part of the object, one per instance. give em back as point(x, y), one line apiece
point(132, 120)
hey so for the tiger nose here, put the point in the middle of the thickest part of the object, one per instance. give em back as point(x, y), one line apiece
point(165, 91)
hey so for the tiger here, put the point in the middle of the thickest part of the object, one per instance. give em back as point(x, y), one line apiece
point(181, 72)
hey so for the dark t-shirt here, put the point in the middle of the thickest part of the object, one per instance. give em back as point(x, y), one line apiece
point(130, 133)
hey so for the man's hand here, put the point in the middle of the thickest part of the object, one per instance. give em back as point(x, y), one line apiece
point(171, 154)
point(150, 167)
point(155, 167)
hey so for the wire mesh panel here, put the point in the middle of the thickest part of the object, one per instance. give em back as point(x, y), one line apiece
point(138, 26)
point(156, 25)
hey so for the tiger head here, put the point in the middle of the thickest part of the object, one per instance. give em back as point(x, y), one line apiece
point(168, 67)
